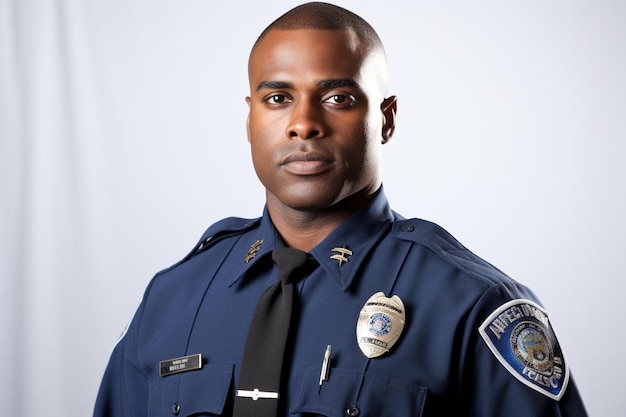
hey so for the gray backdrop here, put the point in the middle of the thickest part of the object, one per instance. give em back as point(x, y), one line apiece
point(122, 138)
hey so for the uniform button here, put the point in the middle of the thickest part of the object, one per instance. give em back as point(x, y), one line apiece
point(175, 408)
point(407, 228)
point(353, 411)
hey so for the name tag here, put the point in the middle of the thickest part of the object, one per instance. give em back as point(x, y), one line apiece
point(182, 364)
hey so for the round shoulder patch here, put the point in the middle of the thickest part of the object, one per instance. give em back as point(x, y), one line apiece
point(520, 335)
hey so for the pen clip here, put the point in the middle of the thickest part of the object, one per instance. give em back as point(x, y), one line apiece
point(325, 367)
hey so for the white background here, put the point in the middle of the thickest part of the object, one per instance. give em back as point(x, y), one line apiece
point(122, 138)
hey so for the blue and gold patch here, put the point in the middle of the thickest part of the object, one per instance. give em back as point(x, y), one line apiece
point(520, 335)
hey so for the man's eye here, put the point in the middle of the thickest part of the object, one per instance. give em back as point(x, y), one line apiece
point(276, 99)
point(342, 100)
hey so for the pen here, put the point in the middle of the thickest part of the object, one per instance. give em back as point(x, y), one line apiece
point(325, 367)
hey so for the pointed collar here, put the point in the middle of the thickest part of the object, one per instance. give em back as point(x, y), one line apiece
point(340, 254)
point(343, 251)
point(255, 246)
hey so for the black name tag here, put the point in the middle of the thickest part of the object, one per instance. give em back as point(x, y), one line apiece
point(182, 364)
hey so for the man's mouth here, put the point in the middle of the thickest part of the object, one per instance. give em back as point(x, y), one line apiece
point(306, 163)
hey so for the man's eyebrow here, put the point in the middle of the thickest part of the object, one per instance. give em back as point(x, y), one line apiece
point(272, 85)
point(339, 82)
point(330, 83)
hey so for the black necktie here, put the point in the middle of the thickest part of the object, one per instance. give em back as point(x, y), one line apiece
point(258, 390)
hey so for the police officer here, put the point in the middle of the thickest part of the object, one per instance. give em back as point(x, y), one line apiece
point(397, 319)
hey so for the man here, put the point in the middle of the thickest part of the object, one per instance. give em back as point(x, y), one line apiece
point(395, 317)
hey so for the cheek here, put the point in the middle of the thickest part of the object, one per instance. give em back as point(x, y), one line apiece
point(262, 126)
point(262, 151)
point(362, 153)
point(361, 140)
point(257, 134)
point(259, 153)
point(260, 163)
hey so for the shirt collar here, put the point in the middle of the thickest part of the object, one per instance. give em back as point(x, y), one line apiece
point(340, 254)
point(254, 246)
point(343, 251)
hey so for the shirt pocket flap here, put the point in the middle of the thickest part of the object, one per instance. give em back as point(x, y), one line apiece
point(204, 391)
point(349, 392)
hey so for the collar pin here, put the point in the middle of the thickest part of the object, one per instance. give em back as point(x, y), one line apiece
point(254, 248)
point(342, 254)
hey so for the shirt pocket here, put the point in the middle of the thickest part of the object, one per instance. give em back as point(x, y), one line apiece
point(354, 393)
point(202, 392)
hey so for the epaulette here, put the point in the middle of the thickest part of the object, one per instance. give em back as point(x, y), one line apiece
point(230, 226)
point(426, 233)
point(442, 243)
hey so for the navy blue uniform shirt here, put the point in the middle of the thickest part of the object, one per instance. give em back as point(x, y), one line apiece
point(474, 343)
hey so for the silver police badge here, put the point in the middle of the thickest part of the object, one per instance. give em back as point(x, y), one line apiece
point(521, 336)
point(380, 324)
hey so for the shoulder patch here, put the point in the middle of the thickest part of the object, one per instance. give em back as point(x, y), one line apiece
point(521, 337)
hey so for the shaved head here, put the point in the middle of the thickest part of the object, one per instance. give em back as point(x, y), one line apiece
point(318, 15)
point(325, 16)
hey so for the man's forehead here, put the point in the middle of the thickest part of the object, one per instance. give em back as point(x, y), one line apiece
point(278, 38)
point(315, 55)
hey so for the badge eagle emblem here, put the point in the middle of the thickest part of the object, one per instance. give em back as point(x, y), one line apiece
point(380, 324)
point(521, 337)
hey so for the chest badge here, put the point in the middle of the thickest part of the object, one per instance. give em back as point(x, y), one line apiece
point(380, 324)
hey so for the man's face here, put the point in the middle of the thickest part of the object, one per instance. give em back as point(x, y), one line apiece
point(315, 123)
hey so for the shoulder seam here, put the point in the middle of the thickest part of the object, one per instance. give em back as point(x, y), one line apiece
point(437, 240)
point(223, 229)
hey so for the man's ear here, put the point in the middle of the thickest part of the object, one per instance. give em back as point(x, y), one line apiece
point(389, 107)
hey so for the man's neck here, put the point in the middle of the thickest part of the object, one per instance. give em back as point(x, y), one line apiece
point(305, 229)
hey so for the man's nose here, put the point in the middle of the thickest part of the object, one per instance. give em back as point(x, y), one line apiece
point(306, 121)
